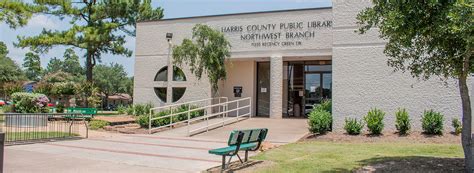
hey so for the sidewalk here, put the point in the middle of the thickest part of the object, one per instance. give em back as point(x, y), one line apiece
point(161, 152)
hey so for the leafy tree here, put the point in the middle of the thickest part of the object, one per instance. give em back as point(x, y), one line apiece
point(110, 80)
point(9, 70)
point(429, 38)
point(98, 26)
point(54, 65)
point(128, 86)
point(16, 13)
point(71, 63)
point(206, 53)
point(32, 65)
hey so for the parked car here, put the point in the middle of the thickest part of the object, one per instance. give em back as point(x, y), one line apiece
point(2, 103)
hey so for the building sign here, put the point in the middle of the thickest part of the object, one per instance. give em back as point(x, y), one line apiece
point(237, 91)
point(277, 34)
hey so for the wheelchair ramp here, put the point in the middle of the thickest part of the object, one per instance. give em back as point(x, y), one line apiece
point(191, 118)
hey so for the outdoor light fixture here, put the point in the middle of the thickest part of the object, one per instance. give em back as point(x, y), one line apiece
point(169, 36)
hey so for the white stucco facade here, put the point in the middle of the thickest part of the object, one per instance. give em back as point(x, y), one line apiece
point(361, 79)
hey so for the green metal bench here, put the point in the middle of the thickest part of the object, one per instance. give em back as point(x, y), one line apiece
point(241, 140)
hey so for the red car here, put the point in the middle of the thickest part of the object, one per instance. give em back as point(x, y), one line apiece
point(2, 103)
point(50, 105)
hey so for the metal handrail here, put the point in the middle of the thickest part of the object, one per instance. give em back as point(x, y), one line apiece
point(249, 114)
point(223, 110)
point(180, 113)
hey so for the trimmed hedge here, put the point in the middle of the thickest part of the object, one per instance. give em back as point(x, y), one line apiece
point(143, 120)
point(432, 122)
point(353, 126)
point(402, 122)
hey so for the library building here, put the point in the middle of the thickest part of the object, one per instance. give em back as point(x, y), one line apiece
point(287, 61)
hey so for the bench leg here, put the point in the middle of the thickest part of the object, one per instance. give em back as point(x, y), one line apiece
point(246, 155)
point(239, 158)
point(223, 162)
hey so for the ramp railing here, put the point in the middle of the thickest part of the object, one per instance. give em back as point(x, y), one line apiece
point(172, 115)
point(235, 109)
point(189, 113)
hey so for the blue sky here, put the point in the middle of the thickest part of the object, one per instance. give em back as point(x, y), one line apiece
point(173, 9)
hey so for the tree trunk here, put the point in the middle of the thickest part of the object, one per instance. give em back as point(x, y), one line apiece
point(466, 117)
point(89, 68)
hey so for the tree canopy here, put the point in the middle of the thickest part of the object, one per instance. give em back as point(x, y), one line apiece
point(205, 53)
point(32, 65)
point(424, 38)
point(429, 38)
point(97, 26)
point(110, 79)
point(16, 13)
point(9, 70)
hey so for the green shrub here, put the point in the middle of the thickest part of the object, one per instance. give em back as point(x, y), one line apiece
point(60, 108)
point(97, 124)
point(432, 122)
point(402, 122)
point(121, 109)
point(352, 126)
point(374, 120)
point(143, 120)
point(139, 109)
point(325, 105)
point(8, 109)
point(457, 126)
point(319, 121)
point(30, 102)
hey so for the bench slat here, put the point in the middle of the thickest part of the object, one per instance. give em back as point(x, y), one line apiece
point(230, 149)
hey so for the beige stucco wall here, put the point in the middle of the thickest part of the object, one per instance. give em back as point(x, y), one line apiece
point(239, 73)
point(362, 80)
point(152, 49)
point(361, 77)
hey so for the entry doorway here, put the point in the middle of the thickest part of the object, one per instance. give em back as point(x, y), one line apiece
point(307, 83)
point(263, 89)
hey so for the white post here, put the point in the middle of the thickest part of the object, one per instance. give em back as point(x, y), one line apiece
point(171, 117)
point(149, 123)
point(238, 108)
point(250, 107)
point(189, 116)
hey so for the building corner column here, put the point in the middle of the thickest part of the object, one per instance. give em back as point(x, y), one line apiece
point(276, 87)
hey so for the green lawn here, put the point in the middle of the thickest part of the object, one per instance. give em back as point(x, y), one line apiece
point(344, 157)
point(17, 136)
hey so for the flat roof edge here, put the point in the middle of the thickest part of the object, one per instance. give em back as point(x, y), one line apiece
point(235, 14)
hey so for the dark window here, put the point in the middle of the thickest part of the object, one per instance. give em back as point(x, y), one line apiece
point(178, 74)
point(161, 93)
point(162, 74)
point(178, 93)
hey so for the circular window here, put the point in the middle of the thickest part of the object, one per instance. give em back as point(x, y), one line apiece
point(162, 74)
point(177, 92)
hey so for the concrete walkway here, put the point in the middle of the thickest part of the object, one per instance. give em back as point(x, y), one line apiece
point(161, 152)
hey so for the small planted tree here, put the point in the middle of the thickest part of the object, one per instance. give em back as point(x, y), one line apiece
point(429, 38)
point(206, 53)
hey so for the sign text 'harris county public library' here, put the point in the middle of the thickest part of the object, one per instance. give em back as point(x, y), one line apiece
point(277, 34)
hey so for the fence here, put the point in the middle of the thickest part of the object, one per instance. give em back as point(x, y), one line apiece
point(27, 128)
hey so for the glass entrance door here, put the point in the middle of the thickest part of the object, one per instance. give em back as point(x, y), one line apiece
point(263, 89)
point(308, 83)
point(312, 91)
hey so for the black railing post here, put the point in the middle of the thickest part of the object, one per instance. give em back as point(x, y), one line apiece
point(2, 148)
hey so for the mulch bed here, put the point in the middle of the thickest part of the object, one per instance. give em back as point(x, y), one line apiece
point(413, 137)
